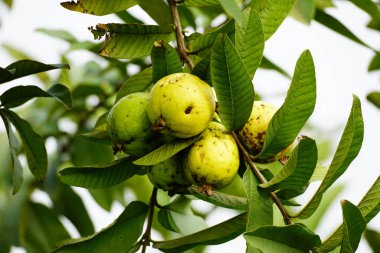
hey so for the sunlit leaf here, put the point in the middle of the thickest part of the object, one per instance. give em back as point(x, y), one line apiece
point(348, 148)
point(201, 3)
point(232, 9)
point(374, 98)
point(375, 63)
point(120, 236)
point(303, 11)
point(232, 84)
point(99, 7)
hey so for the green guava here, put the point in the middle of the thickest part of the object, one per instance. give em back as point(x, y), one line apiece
point(181, 105)
point(254, 131)
point(169, 176)
point(129, 127)
point(212, 162)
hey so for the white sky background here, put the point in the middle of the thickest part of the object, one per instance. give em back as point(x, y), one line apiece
point(341, 68)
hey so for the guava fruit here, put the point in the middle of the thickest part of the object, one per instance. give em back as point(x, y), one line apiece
point(129, 127)
point(181, 105)
point(254, 131)
point(212, 162)
point(169, 175)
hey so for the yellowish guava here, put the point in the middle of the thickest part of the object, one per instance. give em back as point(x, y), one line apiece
point(169, 175)
point(129, 127)
point(181, 105)
point(254, 131)
point(212, 161)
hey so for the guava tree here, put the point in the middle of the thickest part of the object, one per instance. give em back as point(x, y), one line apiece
point(129, 141)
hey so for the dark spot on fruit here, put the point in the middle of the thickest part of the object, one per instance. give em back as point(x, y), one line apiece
point(203, 179)
point(127, 115)
point(258, 117)
point(164, 95)
point(188, 109)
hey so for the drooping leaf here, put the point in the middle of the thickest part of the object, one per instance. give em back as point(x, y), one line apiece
point(136, 83)
point(260, 204)
point(217, 234)
point(297, 171)
point(268, 64)
point(59, 34)
point(232, 8)
point(374, 98)
point(375, 63)
point(369, 207)
point(99, 7)
point(158, 10)
point(353, 227)
point(18, 95)
point(232, 84)
point(178, 217)
point(18, 177)
point(295, 111)
point(97, 177)
point(34, 144)
point(249, 41)
point(165, 151)
point(221, 199)
point(40, 228)
point(294, 238)
point(272, 13)
point(335, 25)
point(129, 41)
point(303, 11)
point(165, 60)
point(348, 148)
point(372, 10)
point(26, 67)
point(120, 236)
point(201, 3)
point(373, 239)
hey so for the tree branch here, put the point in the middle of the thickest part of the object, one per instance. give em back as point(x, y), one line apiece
point(145, 240)
point(262, 180)
point(181, 47)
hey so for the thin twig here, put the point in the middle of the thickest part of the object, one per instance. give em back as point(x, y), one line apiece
point(145, 240)
point(181, 47)
point(262, 180)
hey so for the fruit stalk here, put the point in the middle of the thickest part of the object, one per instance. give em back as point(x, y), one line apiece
point(181, 47)
point(145, 240)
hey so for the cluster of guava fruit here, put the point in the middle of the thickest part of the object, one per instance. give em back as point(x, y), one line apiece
point(181, 105)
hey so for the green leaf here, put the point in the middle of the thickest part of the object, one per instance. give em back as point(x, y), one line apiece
point(136, 83)
point(221, 199)
point(375, 62)
point(178, 217)
point(232, 8)
point(303, 11)
point(165, 151)
point(99, 7)
point(294, 238)
point(202, 69)
point(373, 239)
point(272, 13)
point(335, 25)
point(158, 10)
point(268, 64)
point(19, 95)
point(348, 148)
point(322, 4)
point(59, 34)
point(233, 87)
point(18, 177)
point(369, 207)
point(40, 228)
point(295, 111)
point(249, 41)
point(26, 67)
point(217, 234)
point(99, 136)
point(201, 3)
point(260, 205)
point(129, 41)
point(120, 236)
point(353, 227)
point(97, 177)
point(34, 145)
point(165, 60)
point(374, 98)
point(371, 9)
point(297, 171)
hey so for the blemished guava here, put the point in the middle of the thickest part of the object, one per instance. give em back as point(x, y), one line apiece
point(169, 175)
point(129, 127)
point(212, 162)
point(254, 131)
point(181, 105)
